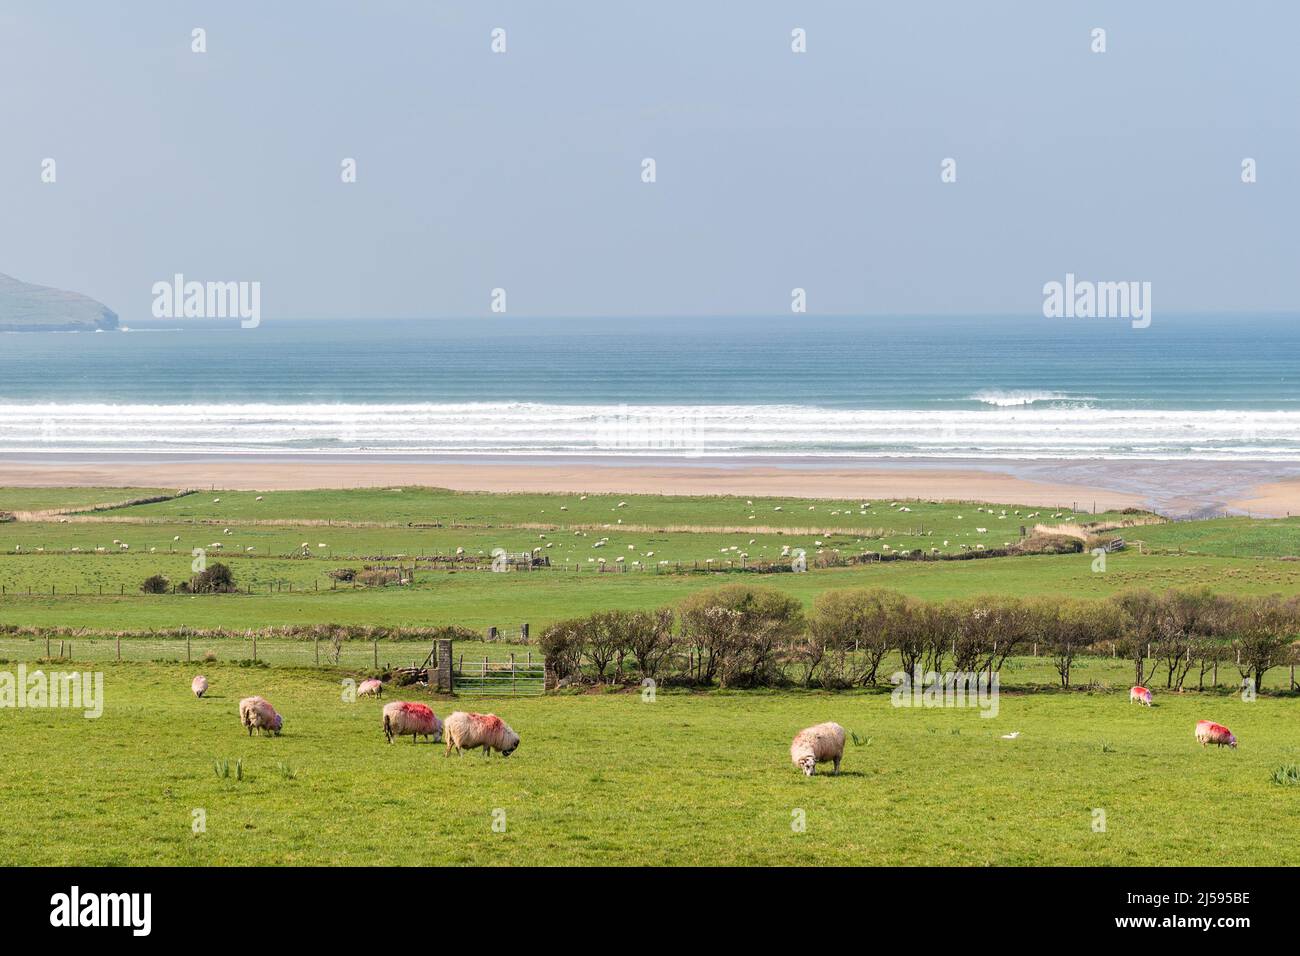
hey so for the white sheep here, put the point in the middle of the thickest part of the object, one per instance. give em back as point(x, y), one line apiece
point(815, 745)
point(466, 731)
point(256, 713)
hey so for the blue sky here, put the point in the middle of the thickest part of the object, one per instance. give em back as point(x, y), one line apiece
point(775, 170)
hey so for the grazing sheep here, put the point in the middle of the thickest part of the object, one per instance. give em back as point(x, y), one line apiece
point(256, 713)
point(467, 731)
point(370, 688)
point(817, 745)
point(403, 717)
point(1139, 694)
point(199, 685)
point(1208, 732)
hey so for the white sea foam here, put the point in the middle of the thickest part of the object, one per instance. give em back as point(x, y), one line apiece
point(1009, 431)
point(1011, 397)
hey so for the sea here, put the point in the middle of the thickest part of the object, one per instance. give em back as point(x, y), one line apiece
point(1199, 387)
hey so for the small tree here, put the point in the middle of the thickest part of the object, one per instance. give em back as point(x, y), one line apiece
point(605, 640)
point(1264, 627)
point(155, 584)
point(563, 644)
point(649, 638)
point(215, 579)
point(742, 631)
point(1141, 621)
point(852, 629)
point(1185, 619)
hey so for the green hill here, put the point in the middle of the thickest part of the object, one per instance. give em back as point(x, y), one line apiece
point(34, 308)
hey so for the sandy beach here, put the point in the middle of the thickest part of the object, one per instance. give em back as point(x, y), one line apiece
point(1179, 488)
point(815, 480)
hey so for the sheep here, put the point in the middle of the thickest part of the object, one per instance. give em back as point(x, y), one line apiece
point(1139, 694)
point(1208, 732)
point(199, 685)
point(403, 717)
point(467, 731)
point(816, 745)
point(370, 688)
point(256, 713)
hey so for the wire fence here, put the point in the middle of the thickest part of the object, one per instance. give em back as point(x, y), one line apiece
point(351, 654)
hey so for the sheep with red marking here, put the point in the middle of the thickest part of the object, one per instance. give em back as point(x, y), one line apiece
point(1140, 695)
point(256, 713)
point(199, 685)
point(1208, 732)
point(403, 717)
point(820, 744)
point(370, 688)
point(467, 731)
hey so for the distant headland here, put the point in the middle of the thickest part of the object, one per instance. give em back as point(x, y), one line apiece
point(35, 308)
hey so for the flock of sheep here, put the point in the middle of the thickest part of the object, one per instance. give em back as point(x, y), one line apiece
point(401, 718)
point(823, 743)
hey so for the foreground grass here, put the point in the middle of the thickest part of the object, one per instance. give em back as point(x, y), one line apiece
point(606, 778)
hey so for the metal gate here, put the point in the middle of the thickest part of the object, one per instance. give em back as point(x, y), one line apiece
point(508, 676)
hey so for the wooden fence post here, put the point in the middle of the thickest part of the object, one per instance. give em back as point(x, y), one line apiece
point(187, 648)
point(255, 645)
point(375, 644)
point(315, 646)
point(119, 647)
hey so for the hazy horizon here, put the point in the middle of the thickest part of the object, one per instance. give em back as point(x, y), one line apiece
point(775, 170)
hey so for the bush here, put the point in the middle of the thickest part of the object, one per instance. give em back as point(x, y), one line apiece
point(849, 633)
point(216, 579)
point(738, 633)
point(155, 584)
point(563, 645)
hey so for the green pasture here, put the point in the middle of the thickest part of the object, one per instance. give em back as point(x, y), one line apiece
point(688, 778)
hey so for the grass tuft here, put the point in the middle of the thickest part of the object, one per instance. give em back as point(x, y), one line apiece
point(1287, 775)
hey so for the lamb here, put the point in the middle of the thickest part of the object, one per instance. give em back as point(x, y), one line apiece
point(816, 745)
point(199, 685)
point(403, 717)
point(467, 731)
point(256, 713)
point(1139, 694)
point(370, 688)
point(1208, 732)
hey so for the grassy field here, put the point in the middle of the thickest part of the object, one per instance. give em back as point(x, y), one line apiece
point(429, 505)
point(607, 778)
point(480, 598)
point(1232, 537)
point(43, 499)
point(603, 777)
